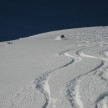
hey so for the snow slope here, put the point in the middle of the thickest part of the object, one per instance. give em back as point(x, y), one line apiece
point(46, 71)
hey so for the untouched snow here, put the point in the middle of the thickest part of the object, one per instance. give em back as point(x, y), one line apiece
point(42, 72)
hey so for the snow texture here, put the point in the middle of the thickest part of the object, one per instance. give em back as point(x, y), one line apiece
point(42, 72)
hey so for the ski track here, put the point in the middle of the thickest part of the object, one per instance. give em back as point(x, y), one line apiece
point(40, 84)
point(72, 88)
point(73, 96)
point(102, 100)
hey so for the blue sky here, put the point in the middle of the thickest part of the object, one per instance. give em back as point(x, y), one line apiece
point(24, 18)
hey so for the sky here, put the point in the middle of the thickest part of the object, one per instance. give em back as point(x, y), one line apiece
point(25, 18)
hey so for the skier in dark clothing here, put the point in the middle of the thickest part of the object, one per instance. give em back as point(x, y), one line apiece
point(62, 36)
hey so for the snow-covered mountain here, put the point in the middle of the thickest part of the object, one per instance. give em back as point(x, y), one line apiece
point(59, 69)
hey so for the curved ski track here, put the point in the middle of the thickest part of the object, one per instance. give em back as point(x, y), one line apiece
point(73, 91)
point(70, 90)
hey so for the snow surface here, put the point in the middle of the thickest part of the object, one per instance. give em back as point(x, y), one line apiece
point(42, 72)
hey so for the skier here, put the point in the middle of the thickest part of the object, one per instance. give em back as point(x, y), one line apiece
point(62, 36)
